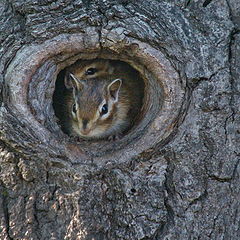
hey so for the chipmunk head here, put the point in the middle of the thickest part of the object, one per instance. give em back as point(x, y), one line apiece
point(94, 104)
point(86, 69)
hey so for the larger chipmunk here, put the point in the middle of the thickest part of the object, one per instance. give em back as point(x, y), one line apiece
point(104, 100)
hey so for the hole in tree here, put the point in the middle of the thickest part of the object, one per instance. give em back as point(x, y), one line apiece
point(90, 98)
point(39, 97)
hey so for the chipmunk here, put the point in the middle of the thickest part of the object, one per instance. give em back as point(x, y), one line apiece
point(104, 100)
point(86, 69)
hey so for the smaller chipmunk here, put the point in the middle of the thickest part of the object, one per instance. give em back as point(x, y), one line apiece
point(103, 99)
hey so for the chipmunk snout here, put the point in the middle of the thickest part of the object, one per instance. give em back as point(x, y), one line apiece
point(85, 128)
point(84, 123)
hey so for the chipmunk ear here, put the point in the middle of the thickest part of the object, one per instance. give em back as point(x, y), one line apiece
point(113, 89)
point(73, 82)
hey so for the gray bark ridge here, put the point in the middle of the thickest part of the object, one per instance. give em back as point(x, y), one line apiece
point(185, 187)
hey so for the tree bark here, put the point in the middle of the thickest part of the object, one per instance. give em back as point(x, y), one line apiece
point(175, 175)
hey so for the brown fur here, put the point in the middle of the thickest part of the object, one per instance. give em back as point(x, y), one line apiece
point(80, 67)
point(123, 112)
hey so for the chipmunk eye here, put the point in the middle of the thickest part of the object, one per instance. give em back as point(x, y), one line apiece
point(91, 71)
point(104, 109)
point(74, 108)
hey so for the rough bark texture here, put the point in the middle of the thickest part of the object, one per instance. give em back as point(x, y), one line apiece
point(184, 186)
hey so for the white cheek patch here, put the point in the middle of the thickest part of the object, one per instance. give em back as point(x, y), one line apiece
point(96, 116)
point(74, 115)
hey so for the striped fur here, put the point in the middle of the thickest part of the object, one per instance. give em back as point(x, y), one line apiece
point(91, 93)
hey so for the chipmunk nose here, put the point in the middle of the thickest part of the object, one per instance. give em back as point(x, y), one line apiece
point(84, 123)
point(85, 130)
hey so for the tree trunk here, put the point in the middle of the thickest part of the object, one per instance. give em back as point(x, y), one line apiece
point(175, 175)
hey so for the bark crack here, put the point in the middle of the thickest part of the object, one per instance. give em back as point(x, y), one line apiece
point(170, 191)
point(37, 228)
point(5, 209)
point(231, 63)
point(202, 197)
point(235, 168)
point(232, 79)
